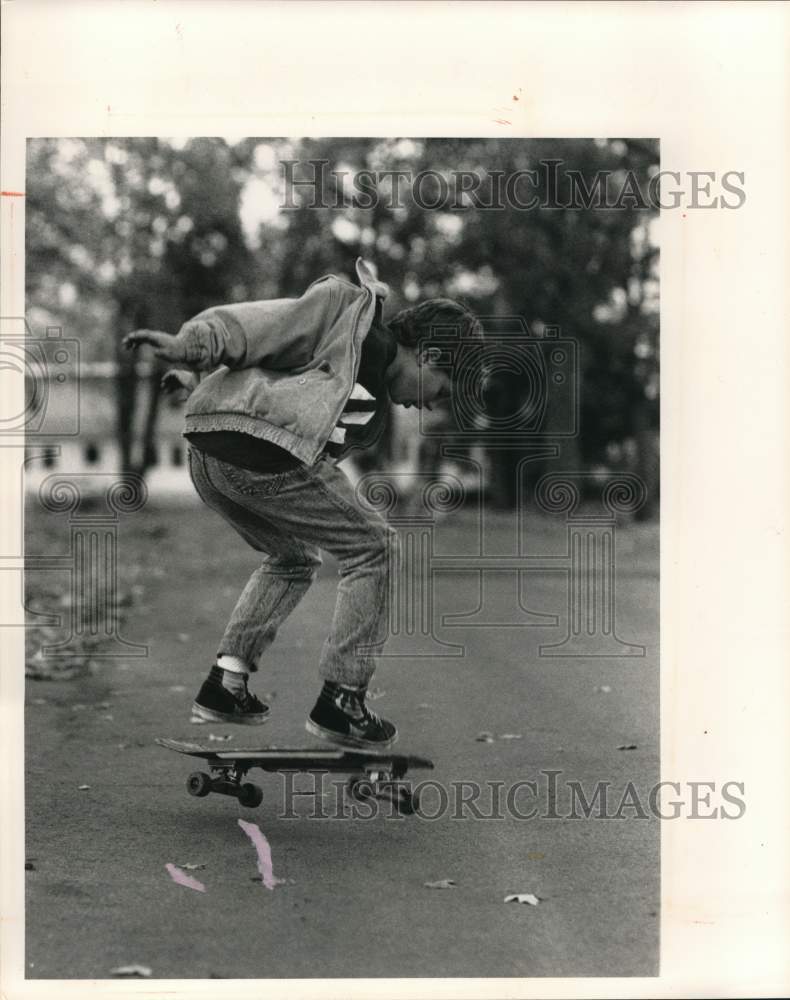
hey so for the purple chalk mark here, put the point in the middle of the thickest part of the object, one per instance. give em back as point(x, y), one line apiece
point(183, 879)
point(261, 845)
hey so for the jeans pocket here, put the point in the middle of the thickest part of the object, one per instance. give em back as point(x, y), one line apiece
point(250, 483)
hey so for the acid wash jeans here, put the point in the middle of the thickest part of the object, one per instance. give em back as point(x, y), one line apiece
point(289, 516)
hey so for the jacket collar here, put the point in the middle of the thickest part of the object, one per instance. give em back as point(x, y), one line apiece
point(368, 280)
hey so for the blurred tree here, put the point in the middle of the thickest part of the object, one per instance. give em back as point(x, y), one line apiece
point(145, 232)
point(149, 231)
point(586, 271)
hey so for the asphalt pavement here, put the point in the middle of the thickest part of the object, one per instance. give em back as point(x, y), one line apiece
point(509, 730)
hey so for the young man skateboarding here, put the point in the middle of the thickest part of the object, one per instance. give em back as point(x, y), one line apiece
point(294, 384)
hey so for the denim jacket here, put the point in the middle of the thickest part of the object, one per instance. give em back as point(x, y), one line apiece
point(285, 368)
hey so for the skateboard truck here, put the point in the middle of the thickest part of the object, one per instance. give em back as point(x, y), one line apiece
point(372, 775)
point(225, 781)
point(387, 785)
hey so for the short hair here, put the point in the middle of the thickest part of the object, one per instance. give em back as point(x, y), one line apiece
point(434, 318)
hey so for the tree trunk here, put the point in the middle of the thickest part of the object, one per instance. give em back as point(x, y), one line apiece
point(647, 459)
point(126, 389)
point(148, 453)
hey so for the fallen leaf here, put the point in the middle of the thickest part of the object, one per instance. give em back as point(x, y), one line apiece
point(511, 736)
point(132, 971)
point(218, 739)
point(83, 788)
point(627, 746)
point(181, 878)
point(484, 738)
point(264, 852)
point(442, 883)
point(604, 689)
point(190, 867)
point(536, 855)
point(523, 897)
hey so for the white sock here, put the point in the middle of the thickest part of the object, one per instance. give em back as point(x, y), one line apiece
point(234, 664)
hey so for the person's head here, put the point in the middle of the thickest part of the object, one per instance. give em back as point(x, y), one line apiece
point(414, 378)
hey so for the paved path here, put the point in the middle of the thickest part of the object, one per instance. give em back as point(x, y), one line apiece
point(353, 902)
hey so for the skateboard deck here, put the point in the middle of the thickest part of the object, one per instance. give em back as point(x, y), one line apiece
point(372, 774)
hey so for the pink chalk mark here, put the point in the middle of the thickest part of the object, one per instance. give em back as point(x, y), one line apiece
point(261, 845)
point(183, 879)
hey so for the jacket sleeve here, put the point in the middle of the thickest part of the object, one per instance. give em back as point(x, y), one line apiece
point(277, 333)
point(208, 344)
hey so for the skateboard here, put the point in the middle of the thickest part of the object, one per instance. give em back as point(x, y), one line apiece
point(372, 774)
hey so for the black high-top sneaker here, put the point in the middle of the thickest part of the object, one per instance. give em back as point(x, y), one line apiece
point(215, 703)
point(341, 716)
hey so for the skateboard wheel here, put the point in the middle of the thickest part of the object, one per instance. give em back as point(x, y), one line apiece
point(250, 795)
point(198, 783)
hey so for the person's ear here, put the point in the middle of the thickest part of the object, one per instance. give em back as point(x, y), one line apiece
point(429, 356)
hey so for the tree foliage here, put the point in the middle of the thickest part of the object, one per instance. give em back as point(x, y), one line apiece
point(147, 232)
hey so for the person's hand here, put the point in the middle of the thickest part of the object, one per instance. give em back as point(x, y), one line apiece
point(165, 345)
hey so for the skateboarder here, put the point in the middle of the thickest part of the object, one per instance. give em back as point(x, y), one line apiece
point(294, 384)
